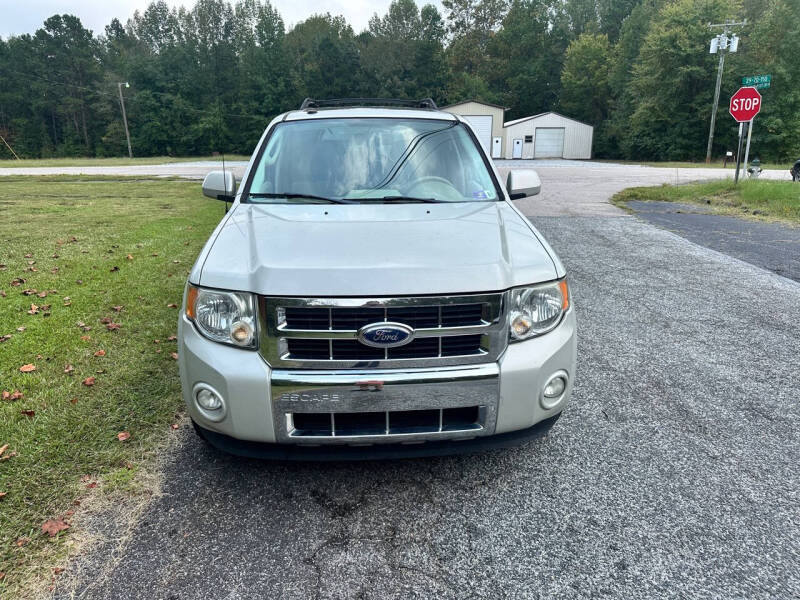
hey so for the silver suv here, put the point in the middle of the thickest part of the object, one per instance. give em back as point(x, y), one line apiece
point(374, 292)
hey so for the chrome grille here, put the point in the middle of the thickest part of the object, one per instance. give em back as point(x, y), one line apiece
point(323, 332)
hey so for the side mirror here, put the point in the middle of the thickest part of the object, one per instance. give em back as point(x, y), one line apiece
point(220, 185)
point(523, 183)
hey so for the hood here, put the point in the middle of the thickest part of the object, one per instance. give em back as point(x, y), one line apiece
point(374, 250)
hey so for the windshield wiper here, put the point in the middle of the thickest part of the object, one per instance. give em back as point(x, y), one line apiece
point(408, 199)
point(292, 195)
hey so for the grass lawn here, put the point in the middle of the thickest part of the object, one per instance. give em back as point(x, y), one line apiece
point(110, 162)
point(91, 254)
point(769, 199)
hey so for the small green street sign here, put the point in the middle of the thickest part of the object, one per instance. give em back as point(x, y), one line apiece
point(759, 82)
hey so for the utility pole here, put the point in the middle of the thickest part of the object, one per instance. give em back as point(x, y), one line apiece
point(721, 44)
point(124, 116)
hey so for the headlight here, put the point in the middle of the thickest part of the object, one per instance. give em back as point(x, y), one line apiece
point(537, 309)
point(227, 317)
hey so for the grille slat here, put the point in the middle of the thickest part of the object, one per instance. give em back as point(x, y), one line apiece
point(396, 422)
point(418, 317)
point(320, 349)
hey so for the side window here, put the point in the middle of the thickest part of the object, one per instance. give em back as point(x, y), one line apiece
point(528, 139)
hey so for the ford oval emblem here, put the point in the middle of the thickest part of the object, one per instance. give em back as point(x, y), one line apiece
point(385, 335)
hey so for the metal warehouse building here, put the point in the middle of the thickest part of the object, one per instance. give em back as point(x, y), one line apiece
point(487, 121)
point(548, 135)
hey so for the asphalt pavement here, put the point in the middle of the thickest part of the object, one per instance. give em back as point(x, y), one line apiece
point(674, 472)
point(773, 246)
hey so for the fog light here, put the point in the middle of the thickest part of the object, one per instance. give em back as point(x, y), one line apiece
point(209, 402)
point(554, 389)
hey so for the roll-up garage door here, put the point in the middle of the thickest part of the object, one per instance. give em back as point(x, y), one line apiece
point(548, 142)
point(482, 124)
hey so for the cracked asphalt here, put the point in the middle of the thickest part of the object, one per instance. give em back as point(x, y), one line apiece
point(674, 472)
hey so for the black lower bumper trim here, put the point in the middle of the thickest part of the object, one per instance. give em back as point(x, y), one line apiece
point(376, 451)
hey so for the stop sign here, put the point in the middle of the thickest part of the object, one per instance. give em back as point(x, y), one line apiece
point(745, 104)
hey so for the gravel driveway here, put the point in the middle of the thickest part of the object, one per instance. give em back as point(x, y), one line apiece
point(675, 471)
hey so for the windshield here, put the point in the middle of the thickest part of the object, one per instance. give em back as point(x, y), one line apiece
point(371, 160)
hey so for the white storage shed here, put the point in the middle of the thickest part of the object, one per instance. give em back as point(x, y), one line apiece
point(486, 120)
point(548, 135)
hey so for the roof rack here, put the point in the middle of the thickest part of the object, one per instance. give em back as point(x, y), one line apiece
point(311, 103)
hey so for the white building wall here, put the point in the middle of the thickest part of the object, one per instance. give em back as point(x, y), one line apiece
point(472, 108)
point(577, 136)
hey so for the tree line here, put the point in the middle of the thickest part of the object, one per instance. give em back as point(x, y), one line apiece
point(208, 78)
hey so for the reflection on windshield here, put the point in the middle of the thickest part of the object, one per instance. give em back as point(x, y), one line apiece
point(372, 159)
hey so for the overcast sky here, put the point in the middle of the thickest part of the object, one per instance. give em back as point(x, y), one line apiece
point(26, 16)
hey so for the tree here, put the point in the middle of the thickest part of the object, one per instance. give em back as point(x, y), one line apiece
point(673, 83)
point(584, 81)
point(472, 24)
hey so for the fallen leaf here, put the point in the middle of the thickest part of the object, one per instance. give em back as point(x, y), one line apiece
point(27, 368)
point(176, 261)
point(42, 294)
point(3, 448)
point(172, 338)
point(22, 541)
point(154, 254)
point(156, 341)
point(68, 369)
point(129, 257)
point(29, 292)
point(158, 351)
point(54, 270)
point(54, 256)
point(15, 395)
point(123, 435)
point(72, 239)
point(92, 485)
point(34, 309)
point(105, 320)
point(89, 381)
point(73, 401)
point(17, 281)
point(114, 268)
point(28, 413)
point(7, 456)
point(175, 426)
point(117, 308)
point(58, 570)
point(174, 355)
point(172, 305)
point(20, 329)
point(86, 338)
point(2, 293)
point(52, 526)
point(113, 326)
point(29, 255)
point(2, 575)
point(100, 353)
point(4, 338)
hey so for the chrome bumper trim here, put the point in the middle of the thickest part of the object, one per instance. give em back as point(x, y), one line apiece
point(385, 391)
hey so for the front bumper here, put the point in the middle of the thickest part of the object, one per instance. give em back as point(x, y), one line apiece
point(258, 398)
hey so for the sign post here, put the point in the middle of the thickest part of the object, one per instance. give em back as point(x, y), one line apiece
point(745, 105)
